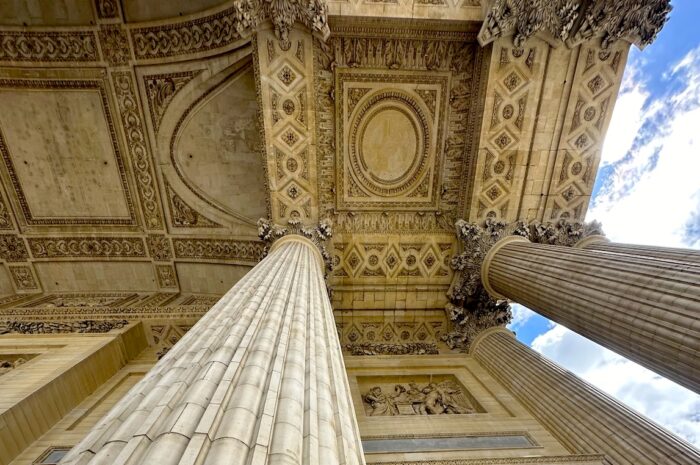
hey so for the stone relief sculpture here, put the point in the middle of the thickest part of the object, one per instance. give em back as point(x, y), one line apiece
point(443, 398)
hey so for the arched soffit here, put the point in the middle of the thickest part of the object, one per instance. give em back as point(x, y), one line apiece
point(209, 145)
point(148, 10)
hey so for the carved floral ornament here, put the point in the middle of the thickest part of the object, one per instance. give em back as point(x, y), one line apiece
point(471, 308)
point(574, 21)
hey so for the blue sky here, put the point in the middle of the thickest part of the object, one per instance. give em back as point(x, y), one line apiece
point(647, 192)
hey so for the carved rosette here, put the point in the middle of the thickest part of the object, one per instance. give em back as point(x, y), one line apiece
point(575, 21)
point(269, 232)
point(471, 308)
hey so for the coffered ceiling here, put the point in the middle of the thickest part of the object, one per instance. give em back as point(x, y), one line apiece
point(141, 141)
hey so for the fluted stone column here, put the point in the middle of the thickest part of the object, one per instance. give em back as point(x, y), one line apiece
point(258, 380)
point(584, 419)
point(641, 302)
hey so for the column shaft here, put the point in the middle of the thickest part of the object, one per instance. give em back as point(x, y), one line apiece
point(258, 380)
point(583, 418)
point(643, 303)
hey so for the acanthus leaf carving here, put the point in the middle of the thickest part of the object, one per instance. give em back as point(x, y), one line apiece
point(471, 309)
point(161, 88)
point(184, 216)
point(576, 21)
point(269, 232)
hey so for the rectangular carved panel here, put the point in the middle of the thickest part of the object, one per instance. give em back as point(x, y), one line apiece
point(62, 132)
point(416, 395)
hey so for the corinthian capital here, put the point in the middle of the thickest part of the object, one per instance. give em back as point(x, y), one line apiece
point(269, 232)
point(574, 21)
point(471, 309)
point(284, 13)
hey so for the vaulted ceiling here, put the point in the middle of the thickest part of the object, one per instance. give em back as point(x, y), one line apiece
point(142, 140)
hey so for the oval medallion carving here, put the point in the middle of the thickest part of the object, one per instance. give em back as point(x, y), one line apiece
point(389, 141)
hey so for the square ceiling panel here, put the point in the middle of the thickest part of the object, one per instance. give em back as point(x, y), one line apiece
point(390, 134)
point(60, 151)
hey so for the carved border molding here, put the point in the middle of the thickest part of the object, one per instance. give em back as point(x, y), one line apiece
point(157, 312)
point(557, 460)
point(51, 327)
point(71, 247)
point(248, 251)
point(138, 146)
point(36, 46)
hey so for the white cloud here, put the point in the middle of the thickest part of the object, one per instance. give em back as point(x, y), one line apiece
point(652, 194)
point(627, 119)
point(672, 406)
point(521, 315)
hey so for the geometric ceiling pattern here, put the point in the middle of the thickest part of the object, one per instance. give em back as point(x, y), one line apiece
point(141, 141)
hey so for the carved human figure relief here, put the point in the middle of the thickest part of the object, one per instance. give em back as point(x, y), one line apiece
point(440, 396)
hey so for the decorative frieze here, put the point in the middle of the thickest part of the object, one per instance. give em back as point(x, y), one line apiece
point(27, 46)
point(152, 311)
point(576, 21)
point(227, 26)
point(70, 247)
point(378, 348)
point(416, 395)
point(219, 249)
point(49, 327)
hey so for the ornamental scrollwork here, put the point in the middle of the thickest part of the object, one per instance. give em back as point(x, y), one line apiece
point(225, 27)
